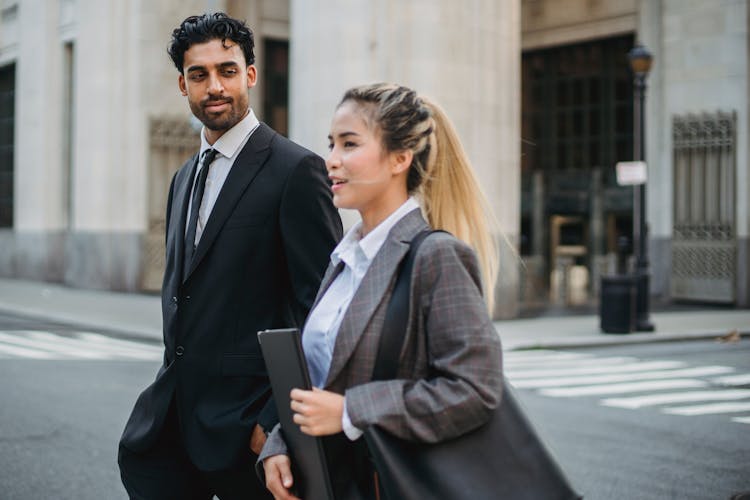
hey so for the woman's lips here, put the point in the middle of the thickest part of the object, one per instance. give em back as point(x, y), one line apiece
point(337, 184)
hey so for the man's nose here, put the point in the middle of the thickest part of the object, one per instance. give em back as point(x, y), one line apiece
point(214, 84)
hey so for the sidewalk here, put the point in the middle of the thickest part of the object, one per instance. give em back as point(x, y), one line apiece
point(139, 315)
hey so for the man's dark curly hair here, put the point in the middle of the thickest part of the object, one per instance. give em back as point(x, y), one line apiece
point(201, 29)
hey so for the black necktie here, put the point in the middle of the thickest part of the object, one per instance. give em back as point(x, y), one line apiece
point(198, 189)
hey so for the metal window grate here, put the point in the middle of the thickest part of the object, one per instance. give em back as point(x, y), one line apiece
point(704, 242)
point(173, 140)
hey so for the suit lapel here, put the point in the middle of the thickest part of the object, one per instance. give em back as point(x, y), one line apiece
point(182, 197)
point(373, 289)
point(247, 165)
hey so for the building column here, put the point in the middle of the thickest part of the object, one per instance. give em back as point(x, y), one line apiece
point(465, 55)
point(39, 224)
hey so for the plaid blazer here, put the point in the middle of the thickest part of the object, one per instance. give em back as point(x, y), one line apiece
point(450, 375)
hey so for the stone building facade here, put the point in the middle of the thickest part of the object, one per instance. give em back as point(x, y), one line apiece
point(92, 126)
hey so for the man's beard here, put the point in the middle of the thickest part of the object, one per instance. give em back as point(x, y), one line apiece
point(222, 121)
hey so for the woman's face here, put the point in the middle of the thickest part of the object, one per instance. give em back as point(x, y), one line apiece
point(360, 169)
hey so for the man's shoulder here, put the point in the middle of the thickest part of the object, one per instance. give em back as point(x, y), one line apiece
point(287, 147)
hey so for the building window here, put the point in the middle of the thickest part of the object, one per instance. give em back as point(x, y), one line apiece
point(276, 85)
point(7, 123)
point(578, 106)
point(577, 123)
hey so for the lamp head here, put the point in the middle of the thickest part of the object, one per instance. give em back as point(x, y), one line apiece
point(640, 60)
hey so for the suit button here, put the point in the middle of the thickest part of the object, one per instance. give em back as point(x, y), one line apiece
point(174, 299)
point(180, 350)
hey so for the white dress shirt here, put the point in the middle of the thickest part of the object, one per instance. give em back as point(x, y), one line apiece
point(321, 329)
point(228, 147)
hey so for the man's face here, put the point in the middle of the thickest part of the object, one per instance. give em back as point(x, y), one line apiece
point(215, 80)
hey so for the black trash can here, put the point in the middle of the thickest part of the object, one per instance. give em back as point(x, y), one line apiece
point(617, 312)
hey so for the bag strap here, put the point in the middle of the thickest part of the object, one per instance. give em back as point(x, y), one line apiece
point(397, 315)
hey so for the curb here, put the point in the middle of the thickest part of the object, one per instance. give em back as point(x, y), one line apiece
point(151, 334)
point(619, 339)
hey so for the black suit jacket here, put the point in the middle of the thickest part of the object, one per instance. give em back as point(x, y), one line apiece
point(258, 265)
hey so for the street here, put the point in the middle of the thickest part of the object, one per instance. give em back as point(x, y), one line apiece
point(63, 410)
point(651, 421)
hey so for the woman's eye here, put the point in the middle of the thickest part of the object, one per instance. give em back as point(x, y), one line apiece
point(349, 144)
point(330, 146)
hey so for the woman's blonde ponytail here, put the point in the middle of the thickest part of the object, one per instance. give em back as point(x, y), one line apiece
point(453, 200)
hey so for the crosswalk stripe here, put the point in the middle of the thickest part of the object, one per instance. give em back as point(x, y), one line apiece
point(46, 346)
point(620, 377)
point(598, 390)
point(631, 383)
point(517, 374)
point(743, 379)
point(128, 344)
point(708, 409)
point(23, 352)
point(676, 397)
point(81, 345)
point(511, 363)
point(533, 356)
point(92, 345)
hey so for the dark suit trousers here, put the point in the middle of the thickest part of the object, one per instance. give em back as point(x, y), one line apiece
point(165, 472)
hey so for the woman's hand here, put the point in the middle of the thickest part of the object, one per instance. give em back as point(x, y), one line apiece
point(278, 469)
point(317, 412)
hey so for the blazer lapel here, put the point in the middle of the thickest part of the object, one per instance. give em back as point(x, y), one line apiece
point(330, 275)
point(373, 289)
point(247, 165)
point(181, 199)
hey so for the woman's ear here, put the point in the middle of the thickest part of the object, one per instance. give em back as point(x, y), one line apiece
point(401, 161)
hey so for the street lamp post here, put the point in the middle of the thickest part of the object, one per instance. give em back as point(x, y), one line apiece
point(640, 63)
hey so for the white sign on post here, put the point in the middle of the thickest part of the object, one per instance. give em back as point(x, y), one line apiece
point(631, 173)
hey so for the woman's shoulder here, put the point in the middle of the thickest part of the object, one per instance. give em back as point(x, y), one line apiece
point(443, 243)
point(441, 249)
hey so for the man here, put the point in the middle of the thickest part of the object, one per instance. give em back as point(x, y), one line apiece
point(250, 226)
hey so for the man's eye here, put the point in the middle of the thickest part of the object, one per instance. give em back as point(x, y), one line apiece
point(230, 71)
point(196, 76)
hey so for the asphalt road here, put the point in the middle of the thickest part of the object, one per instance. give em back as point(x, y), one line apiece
point(645, 453)
point(63, 411)
point(60, 422)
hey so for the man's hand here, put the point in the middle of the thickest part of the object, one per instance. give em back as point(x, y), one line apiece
point(257, 440)
point(317, 412)
point(279, 477)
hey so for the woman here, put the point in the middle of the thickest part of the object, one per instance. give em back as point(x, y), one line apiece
point(388, 145)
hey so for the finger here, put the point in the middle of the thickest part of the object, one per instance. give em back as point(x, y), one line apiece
point(278, 475)
point(297, 406)
point(273, 482)
point(298, 394)
point(299, 419)
point(286, 474)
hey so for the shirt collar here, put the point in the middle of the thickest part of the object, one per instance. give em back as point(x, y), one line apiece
point(371, 243)
point(229, 143)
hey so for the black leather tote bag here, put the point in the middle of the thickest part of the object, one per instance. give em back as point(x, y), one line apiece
point(503, 459)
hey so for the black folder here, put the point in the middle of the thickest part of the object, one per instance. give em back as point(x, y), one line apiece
point(287, 369)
